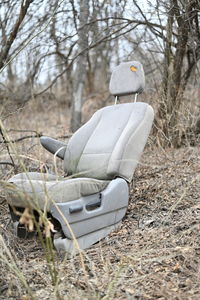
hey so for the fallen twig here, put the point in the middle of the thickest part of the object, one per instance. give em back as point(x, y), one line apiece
point(21, 138)
point(7, 163)
point(22, 130)
point(5, 142)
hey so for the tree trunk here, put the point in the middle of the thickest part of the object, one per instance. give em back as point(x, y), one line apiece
point(172, 91)
point(81, 66)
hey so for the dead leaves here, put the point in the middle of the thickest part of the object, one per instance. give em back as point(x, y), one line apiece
point(27, 218)
point(47, 225)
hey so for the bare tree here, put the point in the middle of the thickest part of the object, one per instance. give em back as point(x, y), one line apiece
point(8, 39)
point(20, 56)
point(176, 41)
point(181, 55)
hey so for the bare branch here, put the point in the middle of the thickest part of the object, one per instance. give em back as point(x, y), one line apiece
point(23, 10)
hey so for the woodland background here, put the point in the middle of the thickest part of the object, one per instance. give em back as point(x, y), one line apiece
point(56, 58)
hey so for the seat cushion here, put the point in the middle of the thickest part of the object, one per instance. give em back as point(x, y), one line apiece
point(39, 190)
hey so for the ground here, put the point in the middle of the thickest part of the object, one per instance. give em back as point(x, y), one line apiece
point(155, 254)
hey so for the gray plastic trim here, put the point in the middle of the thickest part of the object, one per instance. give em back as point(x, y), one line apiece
point(84, 242)
point(53, 146)
point(105, 209)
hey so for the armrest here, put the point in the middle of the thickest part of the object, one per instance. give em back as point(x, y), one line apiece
point(53, 146)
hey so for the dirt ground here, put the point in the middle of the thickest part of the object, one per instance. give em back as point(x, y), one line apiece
point(155, 254)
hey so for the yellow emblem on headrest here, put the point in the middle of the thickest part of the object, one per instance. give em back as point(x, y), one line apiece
point(133, 68)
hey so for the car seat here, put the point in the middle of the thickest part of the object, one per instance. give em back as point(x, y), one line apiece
point(99, 162)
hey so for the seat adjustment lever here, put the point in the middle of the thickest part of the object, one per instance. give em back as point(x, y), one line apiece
point(93, 205)
point(75, 208)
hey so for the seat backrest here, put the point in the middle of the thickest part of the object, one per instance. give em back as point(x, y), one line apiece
point(110, 144)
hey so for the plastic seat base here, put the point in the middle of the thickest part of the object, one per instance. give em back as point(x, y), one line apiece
point(83, 242)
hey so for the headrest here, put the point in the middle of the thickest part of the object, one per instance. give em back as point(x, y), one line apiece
point(127, 78)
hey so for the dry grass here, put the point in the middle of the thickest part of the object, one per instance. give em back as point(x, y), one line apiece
point(155, 254)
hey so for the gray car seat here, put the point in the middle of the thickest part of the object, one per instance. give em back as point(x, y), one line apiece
point(99, 163)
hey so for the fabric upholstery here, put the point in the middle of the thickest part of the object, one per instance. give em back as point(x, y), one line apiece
point(38, 190)
point(127, 78)
point(110, 143)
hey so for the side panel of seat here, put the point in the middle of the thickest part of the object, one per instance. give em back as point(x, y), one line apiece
point(124, 159)
point(77, 144)
point(92, 213)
